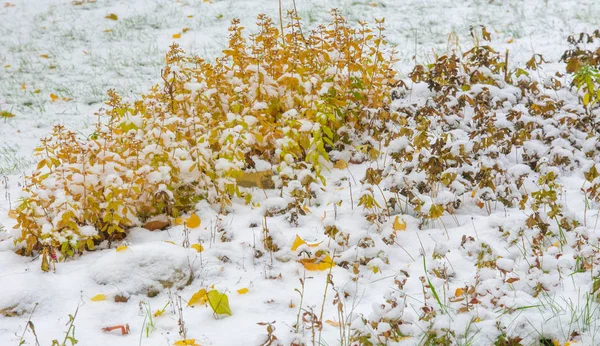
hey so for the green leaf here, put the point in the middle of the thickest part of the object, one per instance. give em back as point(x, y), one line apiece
point(327, 131)
point(219, 302)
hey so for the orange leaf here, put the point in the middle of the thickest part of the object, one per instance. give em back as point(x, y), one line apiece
point(124, 329)
point(53, 97)
point(399, 224)
point(12, 214)
point(312, 265)
point(193, 221)
point(177, 35)
point(459, 292)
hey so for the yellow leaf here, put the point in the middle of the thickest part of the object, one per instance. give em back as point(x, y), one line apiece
point(312, 265)
point(341, 164)
point(459, 292)
point(297, 242)
point(306, 210)
point(375, 269)
point(187, 342)
point(53, 97)
point(158, 312)
point(198, 297)
point(170, 242)
point(45, 56)
point(555, 343)
point(400, 338)
point(197, 247)
point(12, 214)
point(7, 66)
point(332, 323)
point(219, 302)
point(242, 290)
point(23, 86)
point(121, 248)
point(177, 35)
point(112, 16)
point(190, 16)
point(399, 224)
point(98, 297)
point(36, 91)
point(193, 221)
point(108, 30)
point(184, 30)
point(261, 179)
point(473, 193)
point(6, 114)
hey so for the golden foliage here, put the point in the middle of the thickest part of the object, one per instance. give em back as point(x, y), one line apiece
point(284, 99)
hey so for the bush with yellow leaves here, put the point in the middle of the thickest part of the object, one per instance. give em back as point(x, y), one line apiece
point(280, 101)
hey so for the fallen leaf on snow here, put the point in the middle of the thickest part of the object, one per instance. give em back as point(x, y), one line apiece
point(198, 297)
point(219, 302)
point(340, 164)
point(98, 297)
point(313, 265)
point(193, 221)
point(399, 224)
point(124, 329)
point(121, 248)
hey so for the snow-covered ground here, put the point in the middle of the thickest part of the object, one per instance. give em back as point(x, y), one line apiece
point(58, 59)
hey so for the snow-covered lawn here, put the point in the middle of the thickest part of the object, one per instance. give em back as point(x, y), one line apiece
point(58, 59)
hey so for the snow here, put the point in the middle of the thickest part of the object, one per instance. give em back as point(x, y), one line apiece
point(89, 54)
